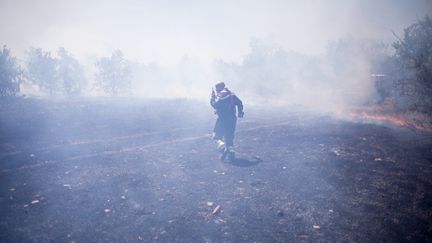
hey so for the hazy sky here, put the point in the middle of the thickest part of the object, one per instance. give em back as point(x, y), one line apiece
point(164, 31)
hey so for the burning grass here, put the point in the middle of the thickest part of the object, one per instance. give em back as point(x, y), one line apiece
point(387, 113)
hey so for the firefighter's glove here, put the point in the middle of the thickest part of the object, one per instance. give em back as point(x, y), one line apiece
point(240, 114)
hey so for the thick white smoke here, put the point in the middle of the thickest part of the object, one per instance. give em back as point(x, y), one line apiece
point(338, 79)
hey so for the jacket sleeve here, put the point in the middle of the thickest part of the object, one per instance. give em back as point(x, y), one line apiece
point(239, 104)
point(213, 100)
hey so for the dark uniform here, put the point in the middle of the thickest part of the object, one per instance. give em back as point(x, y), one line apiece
point(225, 102)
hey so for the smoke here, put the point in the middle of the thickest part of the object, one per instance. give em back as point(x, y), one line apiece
point(340, 78)
point(277, 52)
point(191, 78)
point(163, 31)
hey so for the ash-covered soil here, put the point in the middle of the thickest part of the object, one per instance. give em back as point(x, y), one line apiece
point(147, 171)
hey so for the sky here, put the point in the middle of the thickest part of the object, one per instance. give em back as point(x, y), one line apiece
point(166, 31)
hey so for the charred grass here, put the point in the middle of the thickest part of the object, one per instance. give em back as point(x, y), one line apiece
point(102, 170)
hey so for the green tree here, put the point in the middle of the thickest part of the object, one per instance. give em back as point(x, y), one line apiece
point(113, 74)
point(413, 64)
point(70, 73)
point(11, 74)
point(42, 70)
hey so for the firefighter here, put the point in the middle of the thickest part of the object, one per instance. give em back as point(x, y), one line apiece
point(224, 103)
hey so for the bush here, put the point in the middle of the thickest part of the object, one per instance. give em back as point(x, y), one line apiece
point(11, 74)
point(413, 67)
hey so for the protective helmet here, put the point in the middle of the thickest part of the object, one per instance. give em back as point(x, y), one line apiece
point(220, 86)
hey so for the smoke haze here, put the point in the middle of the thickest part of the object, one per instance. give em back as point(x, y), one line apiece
point(311, 53)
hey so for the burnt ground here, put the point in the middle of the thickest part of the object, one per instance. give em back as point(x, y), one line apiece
point(113, 171)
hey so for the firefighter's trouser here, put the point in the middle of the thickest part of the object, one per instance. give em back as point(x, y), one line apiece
point(224, 129)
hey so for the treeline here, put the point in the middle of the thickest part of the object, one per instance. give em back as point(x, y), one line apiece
point(61, 74)
point(409, 70)
point(349, 73)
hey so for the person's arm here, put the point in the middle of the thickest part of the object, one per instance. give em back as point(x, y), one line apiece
point(213, 99)
point(239, 105)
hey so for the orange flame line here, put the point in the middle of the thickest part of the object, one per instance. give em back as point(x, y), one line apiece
point(393, 119)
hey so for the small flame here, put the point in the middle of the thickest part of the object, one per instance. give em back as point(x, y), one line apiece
point(394, 119)
point(385, 112)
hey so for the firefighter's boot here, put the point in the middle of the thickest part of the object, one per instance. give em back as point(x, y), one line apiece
point(230, 153)
point(222, 149)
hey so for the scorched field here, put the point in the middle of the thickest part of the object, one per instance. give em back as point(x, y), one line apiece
point(124, 170)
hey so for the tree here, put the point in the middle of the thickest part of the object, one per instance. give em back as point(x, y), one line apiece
point(70, 73)
point(413, 64)
point(11, 74)
point(114, 74)
point(42, 70)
